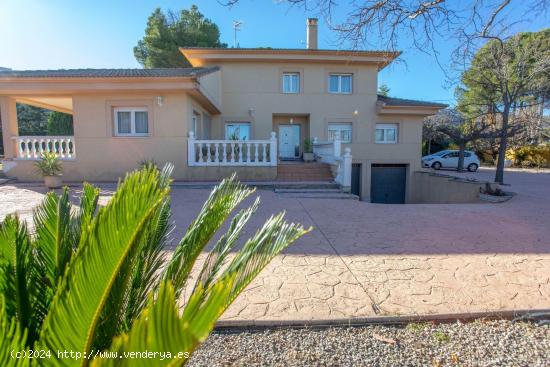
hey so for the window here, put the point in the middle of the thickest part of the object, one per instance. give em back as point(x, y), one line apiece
point(195, 124)
point(131, 121)
point(451, 155)
point(340, 83)
point(342, 129)
point(291, 82)
point(386, 133)
point(237, 131)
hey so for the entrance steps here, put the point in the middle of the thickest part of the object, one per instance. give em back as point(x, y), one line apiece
point(300, 171)
point(313, 190)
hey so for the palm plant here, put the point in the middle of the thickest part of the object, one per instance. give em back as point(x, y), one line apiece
point(93, 279)
point(49, 165)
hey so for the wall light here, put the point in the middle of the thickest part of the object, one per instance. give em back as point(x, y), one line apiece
point(355, 113)
point(160, 100)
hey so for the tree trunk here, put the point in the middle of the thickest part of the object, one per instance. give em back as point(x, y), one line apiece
point(461, 148)
point(499, 175)
point(429, 146)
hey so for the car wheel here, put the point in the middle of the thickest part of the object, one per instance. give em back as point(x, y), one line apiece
point(472, 167)
point(436, 165)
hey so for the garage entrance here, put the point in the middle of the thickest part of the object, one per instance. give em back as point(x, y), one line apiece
point(388, 182)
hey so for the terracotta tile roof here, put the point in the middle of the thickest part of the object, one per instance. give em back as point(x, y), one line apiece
point(391, 101)
point(108, 73)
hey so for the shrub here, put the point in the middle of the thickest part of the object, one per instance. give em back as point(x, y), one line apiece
point(308, 146)
point(94, 279)
point(49, 165)
point(60, 123)
point(531, 155)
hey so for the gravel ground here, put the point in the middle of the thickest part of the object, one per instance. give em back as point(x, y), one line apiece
point(480, 343)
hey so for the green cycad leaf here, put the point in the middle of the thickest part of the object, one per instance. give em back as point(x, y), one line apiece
point(12, 340)
point(161, 330)
point(55, 235)
point(221, 202)
point(17, 273)
point(88, 207)
point(113, 234)
point(217, 257)
point(139, 273)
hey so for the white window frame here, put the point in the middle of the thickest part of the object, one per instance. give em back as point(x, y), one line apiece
point(386, 127)
point(132, 111)
point(341, 126)
point(297, 86)
point(340, 75)
point(240, 123)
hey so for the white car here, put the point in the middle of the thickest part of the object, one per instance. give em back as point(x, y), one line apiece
point(449, 159)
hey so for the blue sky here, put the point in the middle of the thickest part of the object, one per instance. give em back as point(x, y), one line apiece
point(54, 34)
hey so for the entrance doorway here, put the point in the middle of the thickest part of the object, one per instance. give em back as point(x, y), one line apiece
point(289, 141)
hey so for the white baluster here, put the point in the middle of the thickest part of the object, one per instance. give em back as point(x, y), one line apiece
point(224, 156)
point(232, 147)
point(240, 152)
point(73, 148)
point(216, 152)
point(48, 148)
point(61, 147)
point(208, 157)
point(200, 152)
point(248, 152)
point(41, 146)
point(256, 152)
point(20, 144)
point(264, 151)
point(34, 150)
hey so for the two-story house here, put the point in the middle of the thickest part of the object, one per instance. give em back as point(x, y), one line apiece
point(236, 109)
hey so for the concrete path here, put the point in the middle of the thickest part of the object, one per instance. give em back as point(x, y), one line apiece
point(367, 259)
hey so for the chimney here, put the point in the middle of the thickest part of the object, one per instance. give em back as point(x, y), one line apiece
point(311, 33)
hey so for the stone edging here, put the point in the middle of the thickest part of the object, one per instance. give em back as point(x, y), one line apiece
point(258, 325)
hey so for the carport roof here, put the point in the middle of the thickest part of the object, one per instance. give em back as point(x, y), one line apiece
point(108, 73)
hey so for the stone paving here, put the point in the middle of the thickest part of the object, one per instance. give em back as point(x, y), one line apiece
point(366, 259)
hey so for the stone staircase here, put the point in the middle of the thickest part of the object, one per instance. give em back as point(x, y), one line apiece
point(308, 180)
point(300, 171)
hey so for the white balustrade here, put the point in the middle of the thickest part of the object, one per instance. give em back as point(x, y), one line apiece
point(329, 152)
point(32, 147)
point(231, 152)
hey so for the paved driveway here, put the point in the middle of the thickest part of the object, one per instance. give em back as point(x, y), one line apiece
point(367, 259)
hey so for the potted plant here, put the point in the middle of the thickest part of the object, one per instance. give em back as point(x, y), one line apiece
point(308, 151)
point(50, 167)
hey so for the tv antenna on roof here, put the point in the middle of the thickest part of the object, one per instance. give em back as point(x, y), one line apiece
point(236, 27)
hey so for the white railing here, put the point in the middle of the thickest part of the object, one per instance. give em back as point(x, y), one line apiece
point(330, 152)
point(32, 147)
point(231, 152)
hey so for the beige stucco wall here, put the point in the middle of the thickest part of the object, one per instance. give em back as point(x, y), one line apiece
point(243, 91)
point(433, 188)
point(101, 156)
point(252, 92)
